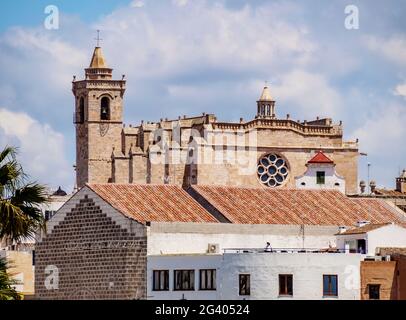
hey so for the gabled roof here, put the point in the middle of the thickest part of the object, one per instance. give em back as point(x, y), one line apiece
point(364, 229)
point(320, 157)
point(161, 203)
point(244, 205)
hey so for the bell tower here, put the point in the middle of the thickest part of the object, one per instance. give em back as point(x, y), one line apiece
point(266, 105)
point(98, 120)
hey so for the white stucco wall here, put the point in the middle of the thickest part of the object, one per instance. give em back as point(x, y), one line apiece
point(387, 236)
point(181, 262)
point(307, 270)
point(178, 238)
point(331, 178)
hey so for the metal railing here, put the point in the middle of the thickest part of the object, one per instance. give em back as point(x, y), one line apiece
point(284, 250)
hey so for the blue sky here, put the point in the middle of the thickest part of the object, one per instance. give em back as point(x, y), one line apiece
point(188, 57)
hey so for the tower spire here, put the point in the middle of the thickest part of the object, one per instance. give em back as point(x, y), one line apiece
point(266, 104)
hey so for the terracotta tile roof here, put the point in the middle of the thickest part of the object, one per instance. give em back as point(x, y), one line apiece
point(391, 193)
point(320, 157)
point(364, 229)
point(391, 251)
point(293, 206)
point(162, 203)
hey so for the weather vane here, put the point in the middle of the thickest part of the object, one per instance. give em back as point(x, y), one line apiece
point(98, 39)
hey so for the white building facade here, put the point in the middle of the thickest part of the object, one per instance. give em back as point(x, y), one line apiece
point(256, 275)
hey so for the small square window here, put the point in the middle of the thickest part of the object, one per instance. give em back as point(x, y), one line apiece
point(244, 285)
point(321, 177)
point(330, 285)
point(374, 291)
point(160, 280)
point(184, 280)
point(286, 285)
point(208, 279)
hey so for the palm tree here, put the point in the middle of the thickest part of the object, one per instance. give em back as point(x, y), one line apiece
point(7, 291)
point(20, 215)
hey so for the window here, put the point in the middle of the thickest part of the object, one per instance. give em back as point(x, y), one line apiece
point(49, 214)
point(321, 177)
point(81, 110)
point(160, 280)
point(208, 279)
point(374, 291)
point(105, 109)
point(184, 280)
point(286, 285)
point(330, 285)
point(244, 285)
point(272, 170)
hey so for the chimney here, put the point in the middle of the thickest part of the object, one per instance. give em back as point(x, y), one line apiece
point(362, 186)
point(372, 186)
point(360, 224)
point(342, 229)
point(401, 182)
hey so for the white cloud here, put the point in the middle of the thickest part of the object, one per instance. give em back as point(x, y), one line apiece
point(384, 132)
point(209, 36)
point(400, 90)
point(137, 4)
point(41, 149)
point(310, 92)
point(180, 3)
point(392, 48)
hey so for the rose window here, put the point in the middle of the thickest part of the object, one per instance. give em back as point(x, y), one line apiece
point(272, 170)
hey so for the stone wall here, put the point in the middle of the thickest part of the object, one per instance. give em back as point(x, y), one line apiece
point(379, 273)
point(94, 252)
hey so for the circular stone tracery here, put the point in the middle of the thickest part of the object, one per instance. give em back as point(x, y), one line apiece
point(272, 170)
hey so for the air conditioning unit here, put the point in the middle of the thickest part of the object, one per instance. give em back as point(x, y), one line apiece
point(213, 248)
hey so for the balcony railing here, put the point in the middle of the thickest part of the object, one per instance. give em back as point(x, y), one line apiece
point(284, 250)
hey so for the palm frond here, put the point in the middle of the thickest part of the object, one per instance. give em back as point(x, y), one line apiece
point(14, 223)
point(31, 194)
point(7, 291)
point(8, 152)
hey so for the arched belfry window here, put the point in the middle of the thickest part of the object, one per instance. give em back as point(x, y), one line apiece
point(81, 110)
point(105, 108)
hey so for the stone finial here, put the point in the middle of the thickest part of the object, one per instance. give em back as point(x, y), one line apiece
point(372, 186)
point(241, 120)
point(362, 186)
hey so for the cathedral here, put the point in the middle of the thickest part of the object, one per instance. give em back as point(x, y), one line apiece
point(267, 151)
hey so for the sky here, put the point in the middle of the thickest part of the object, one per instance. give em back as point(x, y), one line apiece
point(184, 57)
